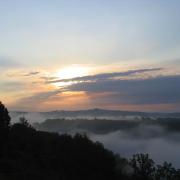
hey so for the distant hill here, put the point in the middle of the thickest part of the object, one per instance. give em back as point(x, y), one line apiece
point(104, 126)
point(87, 126)
point(90, 114)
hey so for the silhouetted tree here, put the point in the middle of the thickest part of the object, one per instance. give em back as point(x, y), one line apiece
point(165, 172)
point(143, 167)
point(24, 121)
point(4, 125)
point(4, 117)
point(123, 170)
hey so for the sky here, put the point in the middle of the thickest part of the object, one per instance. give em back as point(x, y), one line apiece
point(76, 54)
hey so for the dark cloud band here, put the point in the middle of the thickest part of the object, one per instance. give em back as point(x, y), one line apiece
point(105, 76)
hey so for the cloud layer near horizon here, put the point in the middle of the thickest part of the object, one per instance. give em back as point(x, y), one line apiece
point(112, 91)
point(135, 91)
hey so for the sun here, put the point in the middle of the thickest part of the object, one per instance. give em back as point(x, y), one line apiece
point(72, 72)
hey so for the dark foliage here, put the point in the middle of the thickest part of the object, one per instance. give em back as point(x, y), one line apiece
point(143, 167)
point(4, 117)
point(28, 154)
point(4, 125)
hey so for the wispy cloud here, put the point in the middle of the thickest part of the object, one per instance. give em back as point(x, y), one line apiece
point(7, 63)
point(32, 73)
point(105, 76)
point(11, 86)
point(37, 98)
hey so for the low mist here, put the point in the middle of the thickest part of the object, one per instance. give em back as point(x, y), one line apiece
point(125, 135)
point(161, 146)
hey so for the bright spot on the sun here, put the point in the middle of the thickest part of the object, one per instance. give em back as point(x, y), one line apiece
point(72, 72)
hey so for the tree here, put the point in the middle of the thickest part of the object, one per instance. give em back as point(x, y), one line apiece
point(143, 167)
point(4, 126)
point(166, 172)
point(24, 121)
point(4, 117)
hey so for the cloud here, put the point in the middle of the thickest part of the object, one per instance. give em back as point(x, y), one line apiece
point(7, 63)
point(108, 91)
point(35, 100)
point(32, 73)
point(105, 76)
point(134, 91)
point(39, 97)
point(11, 86)
point(48, 78)
point(23, 73)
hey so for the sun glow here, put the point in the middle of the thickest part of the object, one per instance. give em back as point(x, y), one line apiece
point(72, 72)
